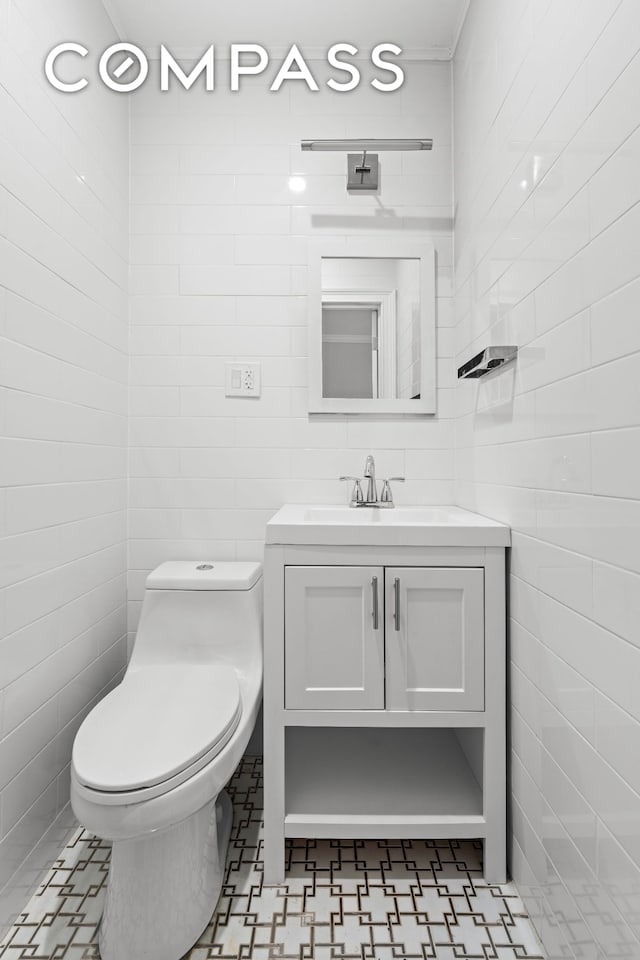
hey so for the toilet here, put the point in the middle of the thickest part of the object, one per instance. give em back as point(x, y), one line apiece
point(151, 760)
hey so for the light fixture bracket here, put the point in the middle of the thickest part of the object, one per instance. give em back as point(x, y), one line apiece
point(362, 171)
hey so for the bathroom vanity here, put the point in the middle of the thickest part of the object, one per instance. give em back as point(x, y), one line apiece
point(384, 693)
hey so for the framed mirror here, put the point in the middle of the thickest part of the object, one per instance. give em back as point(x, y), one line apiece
point(372, 327)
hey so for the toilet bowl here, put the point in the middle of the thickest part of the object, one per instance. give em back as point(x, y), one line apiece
point(151, 760)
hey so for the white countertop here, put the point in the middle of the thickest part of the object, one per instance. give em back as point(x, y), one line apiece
point(399, 526)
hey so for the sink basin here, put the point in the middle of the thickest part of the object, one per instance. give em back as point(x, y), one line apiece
point(399, 526)
point(395, 515)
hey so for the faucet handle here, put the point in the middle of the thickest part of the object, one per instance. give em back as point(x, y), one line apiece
point(386, 496)
point(356, 494)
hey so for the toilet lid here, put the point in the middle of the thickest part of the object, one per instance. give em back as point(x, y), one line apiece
point(156, 724)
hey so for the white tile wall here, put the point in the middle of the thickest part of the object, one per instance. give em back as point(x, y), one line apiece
point(547, 144)
point(547, 133)
point(63, 407)
point(219, 252)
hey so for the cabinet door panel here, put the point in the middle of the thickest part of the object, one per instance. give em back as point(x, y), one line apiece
point(334, 656)
point(434, 638)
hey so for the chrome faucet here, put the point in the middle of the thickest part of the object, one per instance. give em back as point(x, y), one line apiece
point(370, 475)
point(358, 499)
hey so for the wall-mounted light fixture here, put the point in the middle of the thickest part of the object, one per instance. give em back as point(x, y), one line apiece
point(363, 167)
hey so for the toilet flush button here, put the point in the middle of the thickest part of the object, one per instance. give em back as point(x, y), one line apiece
point(205, 566)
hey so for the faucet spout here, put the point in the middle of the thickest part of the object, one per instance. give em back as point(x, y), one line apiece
point(370, 475)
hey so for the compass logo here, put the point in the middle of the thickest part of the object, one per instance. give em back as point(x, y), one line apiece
point(124, 67)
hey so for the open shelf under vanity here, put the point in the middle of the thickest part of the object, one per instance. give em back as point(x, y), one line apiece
point(380, 782)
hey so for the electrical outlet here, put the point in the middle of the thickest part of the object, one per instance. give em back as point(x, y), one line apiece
point(243, 379)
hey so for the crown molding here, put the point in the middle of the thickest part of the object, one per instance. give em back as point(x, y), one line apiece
point(279, 53)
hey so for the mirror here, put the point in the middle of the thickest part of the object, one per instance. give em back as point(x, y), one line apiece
point(372, 328)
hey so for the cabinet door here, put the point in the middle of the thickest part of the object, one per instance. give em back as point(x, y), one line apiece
point(434, 638)
point(334, 638)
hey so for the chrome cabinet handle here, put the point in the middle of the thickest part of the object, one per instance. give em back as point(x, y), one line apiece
point(374, 612)
point(396, 599)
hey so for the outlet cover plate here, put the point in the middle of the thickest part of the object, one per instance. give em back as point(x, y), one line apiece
point(243, 379)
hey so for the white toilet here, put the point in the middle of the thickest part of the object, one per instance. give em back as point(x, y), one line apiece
point(151, 760)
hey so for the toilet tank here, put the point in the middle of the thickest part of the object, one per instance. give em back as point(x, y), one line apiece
point(199, 612)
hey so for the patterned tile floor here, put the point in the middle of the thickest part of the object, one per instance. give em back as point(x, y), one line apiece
point(343, 900)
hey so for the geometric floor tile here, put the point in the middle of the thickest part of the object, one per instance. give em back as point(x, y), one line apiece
point(342, 900)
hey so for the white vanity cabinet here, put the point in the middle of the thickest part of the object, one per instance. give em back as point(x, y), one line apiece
point(334, 638)
point(384, 694)
point(402, 638)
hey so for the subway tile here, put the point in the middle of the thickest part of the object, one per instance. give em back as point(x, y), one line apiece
point(30, 784)
point(609, 260)
point(561, 574)
point(65, 320)
point(571, 810)
point(39, 597)
point(18, 840)
point(147, 159)
point(240, 220)
point(284, 371)
point(599, 527)
point(27, 462)
point(197, 463)
point(619, 876)
point(25, 369)
point(611, 798)
point(616, 600)
point(173, 309)
point(154, 340)
point(271, 311)
point(156, 218)
point(225, 281)
point(212, 402)
point(27, 324)
point(233, 341)
point(564, 463)
point(173, 371)
point(201, 249)
point(148, 554)
point(616, 463)
point(270, 250)
point(27, 740)
point(34, 507)
point(182, 431)
point(265, 464)
point(152, 280)
point(618, 740)
point(616, 186)
point(559, 354)
point(613, 331)
point(182, 189)
point(177, 492)
point(612, 665)
point(564, 123)
point(185, 128)
point(232, 160)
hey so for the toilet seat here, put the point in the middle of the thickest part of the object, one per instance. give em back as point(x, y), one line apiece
point(155, 730)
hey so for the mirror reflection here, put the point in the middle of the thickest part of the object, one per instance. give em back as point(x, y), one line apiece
point(371, 328)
